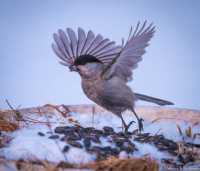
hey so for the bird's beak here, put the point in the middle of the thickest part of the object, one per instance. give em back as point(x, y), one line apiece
point(73, 68)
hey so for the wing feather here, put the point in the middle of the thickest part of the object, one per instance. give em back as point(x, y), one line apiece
point(93, 45)
point(131, 53)
point(66, 43)
point(88, 42)
point(109, 51)
point(58, 53)
point(69, 47)
point(73, 38)
point(120, 60)
point(81, 40)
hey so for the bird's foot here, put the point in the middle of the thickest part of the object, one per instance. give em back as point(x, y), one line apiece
point(140, 125)
point(128, 126)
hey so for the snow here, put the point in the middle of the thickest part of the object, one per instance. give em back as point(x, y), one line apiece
point(27, 144)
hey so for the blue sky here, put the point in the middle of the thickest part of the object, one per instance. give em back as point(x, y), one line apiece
point(30, 74)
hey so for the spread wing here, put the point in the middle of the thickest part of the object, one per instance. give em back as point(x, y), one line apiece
point(69, 47)
point(127, 60)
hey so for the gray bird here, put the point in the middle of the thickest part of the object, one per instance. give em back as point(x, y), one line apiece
point(105, 68)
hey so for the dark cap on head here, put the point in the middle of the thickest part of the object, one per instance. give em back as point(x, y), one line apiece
point(83, 59)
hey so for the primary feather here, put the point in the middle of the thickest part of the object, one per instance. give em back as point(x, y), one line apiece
point(123, 64)
point(69, 47)
point(120, 61)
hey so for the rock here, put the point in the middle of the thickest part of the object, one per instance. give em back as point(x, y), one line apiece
point(41, 134)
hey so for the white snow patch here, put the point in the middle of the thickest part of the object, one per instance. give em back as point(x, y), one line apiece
point(27, 144)
point(148, 149)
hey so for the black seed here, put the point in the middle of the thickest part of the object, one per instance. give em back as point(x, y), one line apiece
point(63, 138)
point(87, 143)
point(88, 130)
point(94, 138)
point(54, 136)
point(65, 149)
point(115, 151)
point(119, 142)
point(60, 129)
point(41, 134)
point(73, 136)
point(108, 129)
point(98, 132)
point(121, 134)
point(75, 144)
point(128, 149)
point(70, 130)
point(124, 135)
point(110, 151)
point(189, 158)
point(180, 158)
point(95, 149)
point(106, 149)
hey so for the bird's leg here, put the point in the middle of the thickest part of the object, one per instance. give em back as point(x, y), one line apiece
point(140, 120)
point(126, 127)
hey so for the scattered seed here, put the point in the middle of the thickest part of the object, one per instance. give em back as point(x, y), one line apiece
point(75, 144)
point(65, 149)
point(60, 130)
point(41, 134)
point(108, 130)
point(54, 136)
point(87, 142)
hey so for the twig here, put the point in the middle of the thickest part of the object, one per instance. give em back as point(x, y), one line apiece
point(17, 113)
point(64, 114)
point(18, 116)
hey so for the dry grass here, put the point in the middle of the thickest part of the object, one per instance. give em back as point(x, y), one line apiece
point(131, 164)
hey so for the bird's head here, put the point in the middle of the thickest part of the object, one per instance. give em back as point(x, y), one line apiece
point(87, 66)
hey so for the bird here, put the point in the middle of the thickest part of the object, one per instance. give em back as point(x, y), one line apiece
point(105, 68)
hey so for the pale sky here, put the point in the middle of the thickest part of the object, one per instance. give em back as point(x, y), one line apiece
point(30, 74)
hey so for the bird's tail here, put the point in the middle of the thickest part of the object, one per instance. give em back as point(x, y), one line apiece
point(158, 101)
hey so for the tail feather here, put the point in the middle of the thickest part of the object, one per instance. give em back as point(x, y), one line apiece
point(158, 101)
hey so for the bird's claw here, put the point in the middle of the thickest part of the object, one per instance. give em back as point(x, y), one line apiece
point(128, 126)
point(140, 124)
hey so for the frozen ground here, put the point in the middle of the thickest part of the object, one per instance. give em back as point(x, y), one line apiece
point(27, 144)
